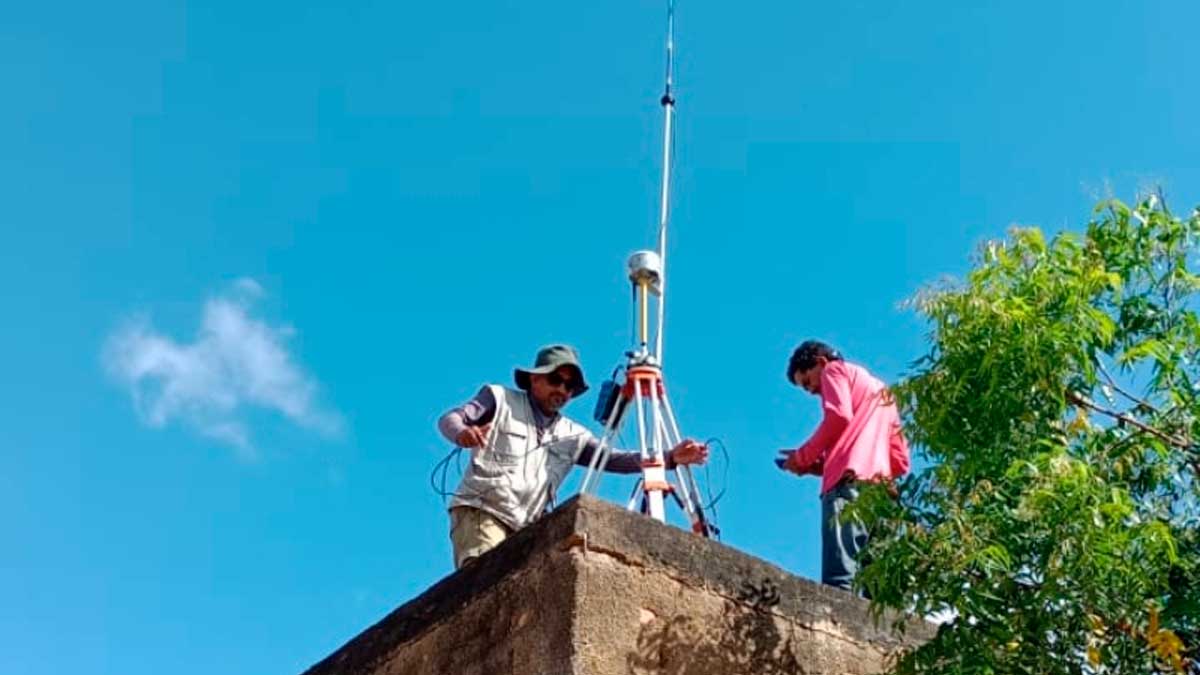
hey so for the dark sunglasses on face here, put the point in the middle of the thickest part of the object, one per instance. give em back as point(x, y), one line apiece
point(556, 380)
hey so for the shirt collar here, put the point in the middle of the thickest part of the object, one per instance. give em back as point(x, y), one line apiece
point(540, 418)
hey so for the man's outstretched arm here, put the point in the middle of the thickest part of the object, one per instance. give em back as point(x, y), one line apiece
point(630, 461)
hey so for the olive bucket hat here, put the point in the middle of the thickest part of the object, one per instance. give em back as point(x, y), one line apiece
point(548, 360)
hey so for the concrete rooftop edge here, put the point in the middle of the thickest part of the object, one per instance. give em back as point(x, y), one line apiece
point(593, 525)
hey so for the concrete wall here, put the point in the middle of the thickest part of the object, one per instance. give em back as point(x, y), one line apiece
point(509, 629)
point(594, 589)
point(511, 612)
point(660, 601)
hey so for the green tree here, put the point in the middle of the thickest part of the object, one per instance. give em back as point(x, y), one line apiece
point(1057, 411)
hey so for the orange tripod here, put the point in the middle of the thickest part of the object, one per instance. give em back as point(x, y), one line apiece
point(644, 393)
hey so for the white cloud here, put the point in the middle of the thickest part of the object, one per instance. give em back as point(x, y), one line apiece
point(236, 363)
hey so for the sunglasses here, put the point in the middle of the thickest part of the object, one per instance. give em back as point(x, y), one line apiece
point(556, 380)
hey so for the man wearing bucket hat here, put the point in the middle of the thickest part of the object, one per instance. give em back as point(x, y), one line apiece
point(521, 450)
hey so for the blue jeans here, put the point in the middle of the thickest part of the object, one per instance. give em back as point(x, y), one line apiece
point(842, 539)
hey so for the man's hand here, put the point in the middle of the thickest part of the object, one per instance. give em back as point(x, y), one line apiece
point(784, 460)
point(787, 462)
point(473, 437)
point(690, 452)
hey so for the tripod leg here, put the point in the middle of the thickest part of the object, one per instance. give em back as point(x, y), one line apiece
point(656, 422)
point(687, 480)
point(591, 480)
point(641, 425)
point(637, 491)
point(671, 438)
point(653, 472)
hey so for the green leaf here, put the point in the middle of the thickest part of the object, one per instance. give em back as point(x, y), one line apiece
point(1053, 528)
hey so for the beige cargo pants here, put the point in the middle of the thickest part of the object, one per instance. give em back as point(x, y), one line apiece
point(474, 532)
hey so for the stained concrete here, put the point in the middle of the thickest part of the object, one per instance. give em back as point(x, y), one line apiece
point(594, 589)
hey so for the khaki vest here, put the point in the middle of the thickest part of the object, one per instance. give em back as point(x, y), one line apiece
point(513, 477)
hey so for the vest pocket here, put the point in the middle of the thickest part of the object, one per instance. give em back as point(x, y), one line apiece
point(506, 457)
point(511, 443)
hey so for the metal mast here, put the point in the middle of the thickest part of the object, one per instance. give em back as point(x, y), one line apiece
point(668, 104)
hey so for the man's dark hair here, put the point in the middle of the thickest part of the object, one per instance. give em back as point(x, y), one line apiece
point(805, 357)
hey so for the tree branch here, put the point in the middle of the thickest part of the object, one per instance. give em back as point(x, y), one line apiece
point(1121, 441)
point(1112, 382)
point(1081, 400)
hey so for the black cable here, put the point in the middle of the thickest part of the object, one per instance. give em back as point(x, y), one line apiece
point(440, 474)
point(443, 466)
point(724, 474)
point(712, 501)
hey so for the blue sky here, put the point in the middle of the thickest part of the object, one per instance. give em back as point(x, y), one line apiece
point(299, 231)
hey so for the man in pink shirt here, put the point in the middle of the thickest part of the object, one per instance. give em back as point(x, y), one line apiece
point(859, 440)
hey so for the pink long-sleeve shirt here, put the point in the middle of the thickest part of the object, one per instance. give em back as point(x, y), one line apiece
point(859, 436)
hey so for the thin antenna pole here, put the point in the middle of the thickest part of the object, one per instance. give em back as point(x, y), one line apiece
point(668, 104)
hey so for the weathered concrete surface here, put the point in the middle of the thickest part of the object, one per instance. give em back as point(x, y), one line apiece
point(593, 589)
